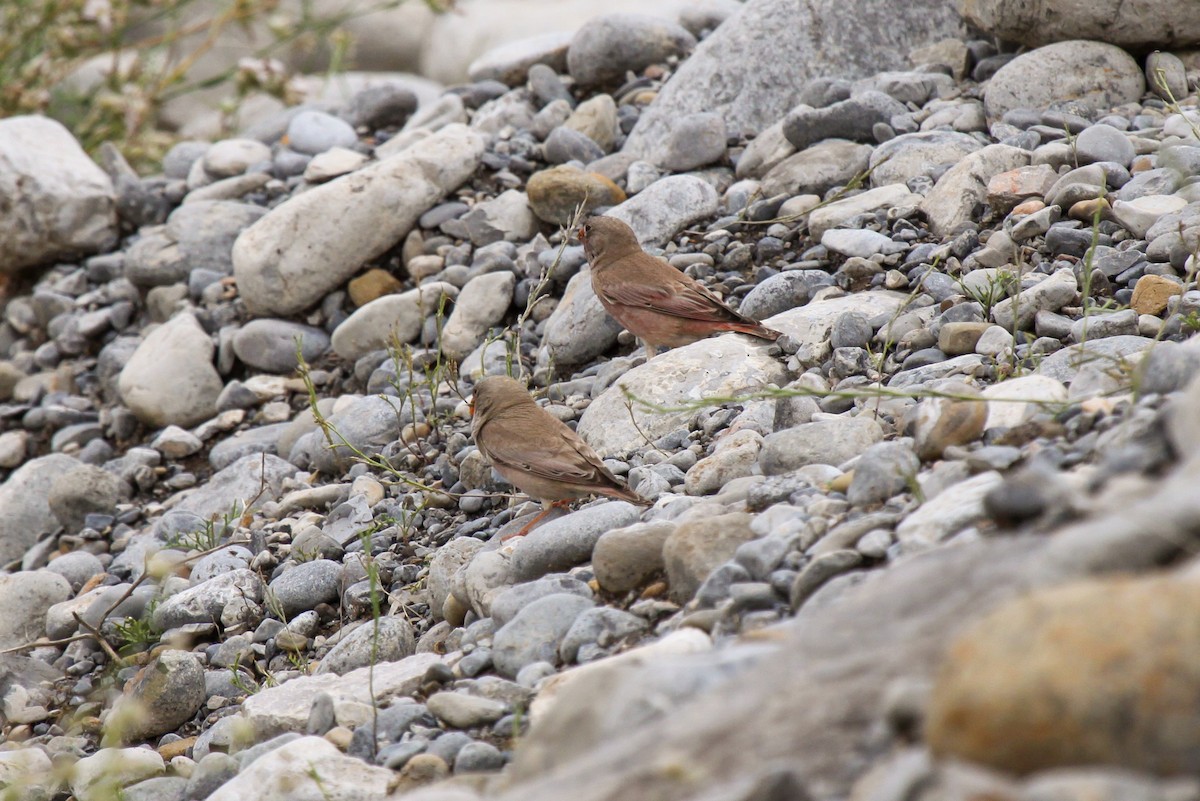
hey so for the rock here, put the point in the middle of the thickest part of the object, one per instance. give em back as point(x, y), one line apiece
point(505, 217)
point(476, 758)
point(952, 200)
point(163, 696)
point(753, 69)
point(230, 157)
point(67, 206)
point(666, 207)
point(81, 491)
point(1050, 294)
point(860, 243)
point(909, 155)
point(535, 634)
point(950, 512)
point(365, 424)
point(242, 487)
point(307, 584)
point(1055, 706)
point(554, 194)
point(695, 141)
point(854, 118)
point(1166, 75)
point(817, 169)
point(509, 602)
point(1120, 351)
point(720, 366)
point(26, 596)
point(286, 707)
point(784, 291)
point(607, 46)
point(600, 627)
point(391, 641)
point(447, 561)
point(819, 571)
point(1104, 143)
point(306, 768)
point(564, 144)
point(374, 283)
point(764, 152)
point(481, 305)
point(885, 469)
point(579, 329)
point(203, 602)
point(382, 105)
point(567, 541)
point(879, 199)
point(463, 711)
point(829, 442)
point(24, 496)
point(103, 774)
point(1140, 214)
point(270, 345)
point(1095, 74)
point(315, 132)
point(625, 558)
point(734, 457)
point(77, 567)
point(1135, 28)
point(1007, 189)
point(697, 547)
point(390, 318)
point(943, 422)
point(596, 118)
point(170, 379)
point(509, 63)
point(301, 250)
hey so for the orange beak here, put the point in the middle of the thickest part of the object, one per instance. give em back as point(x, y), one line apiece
point(471, 406)
point(581, 235)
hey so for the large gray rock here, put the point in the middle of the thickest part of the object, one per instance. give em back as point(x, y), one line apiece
point(310, 244)
point(1146, 25)
point(390, 318)
point(171, 380)
point(579, 329)
point(26, 597)
point(1096, 74)
point(666, 207)
point(603, 49)
point(56, 201)
point(25, 499)
point(722, 366)
point(752, 69)
point(910, 155)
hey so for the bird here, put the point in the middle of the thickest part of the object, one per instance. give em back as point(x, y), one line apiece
point(651, 299)
point(536, 452)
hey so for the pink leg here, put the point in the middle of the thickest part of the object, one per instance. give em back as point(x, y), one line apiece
point(546, 509)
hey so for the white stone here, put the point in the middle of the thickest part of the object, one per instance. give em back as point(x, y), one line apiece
point(100, 776)
point(837, 212)
point(1014, 401)
point(170, 379)
point(677, 383)
point(389, 318)
point(300, 250)
point(58, 202)
point(1137, 215)
point(286, 708)
point(307, 769)
point(951, 511)
point(481, 305)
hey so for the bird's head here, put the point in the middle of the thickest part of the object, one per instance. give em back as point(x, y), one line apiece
point(494, 394)
point(606, 238)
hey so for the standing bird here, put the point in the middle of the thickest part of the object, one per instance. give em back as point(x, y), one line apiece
point(536, 452)
point(651, 299)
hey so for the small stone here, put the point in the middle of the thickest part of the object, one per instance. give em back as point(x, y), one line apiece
point(374, 283)
point(554, 194)
point(697, 547)
point(463, 711)
point(625, 559)
point(315, 132)
point(163, 696)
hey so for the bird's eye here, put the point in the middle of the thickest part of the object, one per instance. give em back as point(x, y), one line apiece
point(587, 229)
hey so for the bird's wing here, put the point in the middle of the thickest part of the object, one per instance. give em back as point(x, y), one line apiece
point(564, 457)
point(677, 298)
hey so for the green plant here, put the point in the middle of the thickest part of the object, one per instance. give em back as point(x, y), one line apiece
point(135, 634)
point(212, 533)
point(139, 54)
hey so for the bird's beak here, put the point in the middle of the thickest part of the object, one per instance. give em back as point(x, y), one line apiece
point(579, 233)
point(471, 406)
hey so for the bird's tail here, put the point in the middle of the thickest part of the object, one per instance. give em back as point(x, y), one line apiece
point(626, 494)
point(756, 330)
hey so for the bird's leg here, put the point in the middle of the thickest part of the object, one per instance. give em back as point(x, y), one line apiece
point(546, 509)
point(651, 350)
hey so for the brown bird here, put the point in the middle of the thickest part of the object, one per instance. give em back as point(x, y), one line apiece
point(536, 452)
point(651, 299)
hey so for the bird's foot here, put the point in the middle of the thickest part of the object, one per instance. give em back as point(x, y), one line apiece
point(537, 519)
